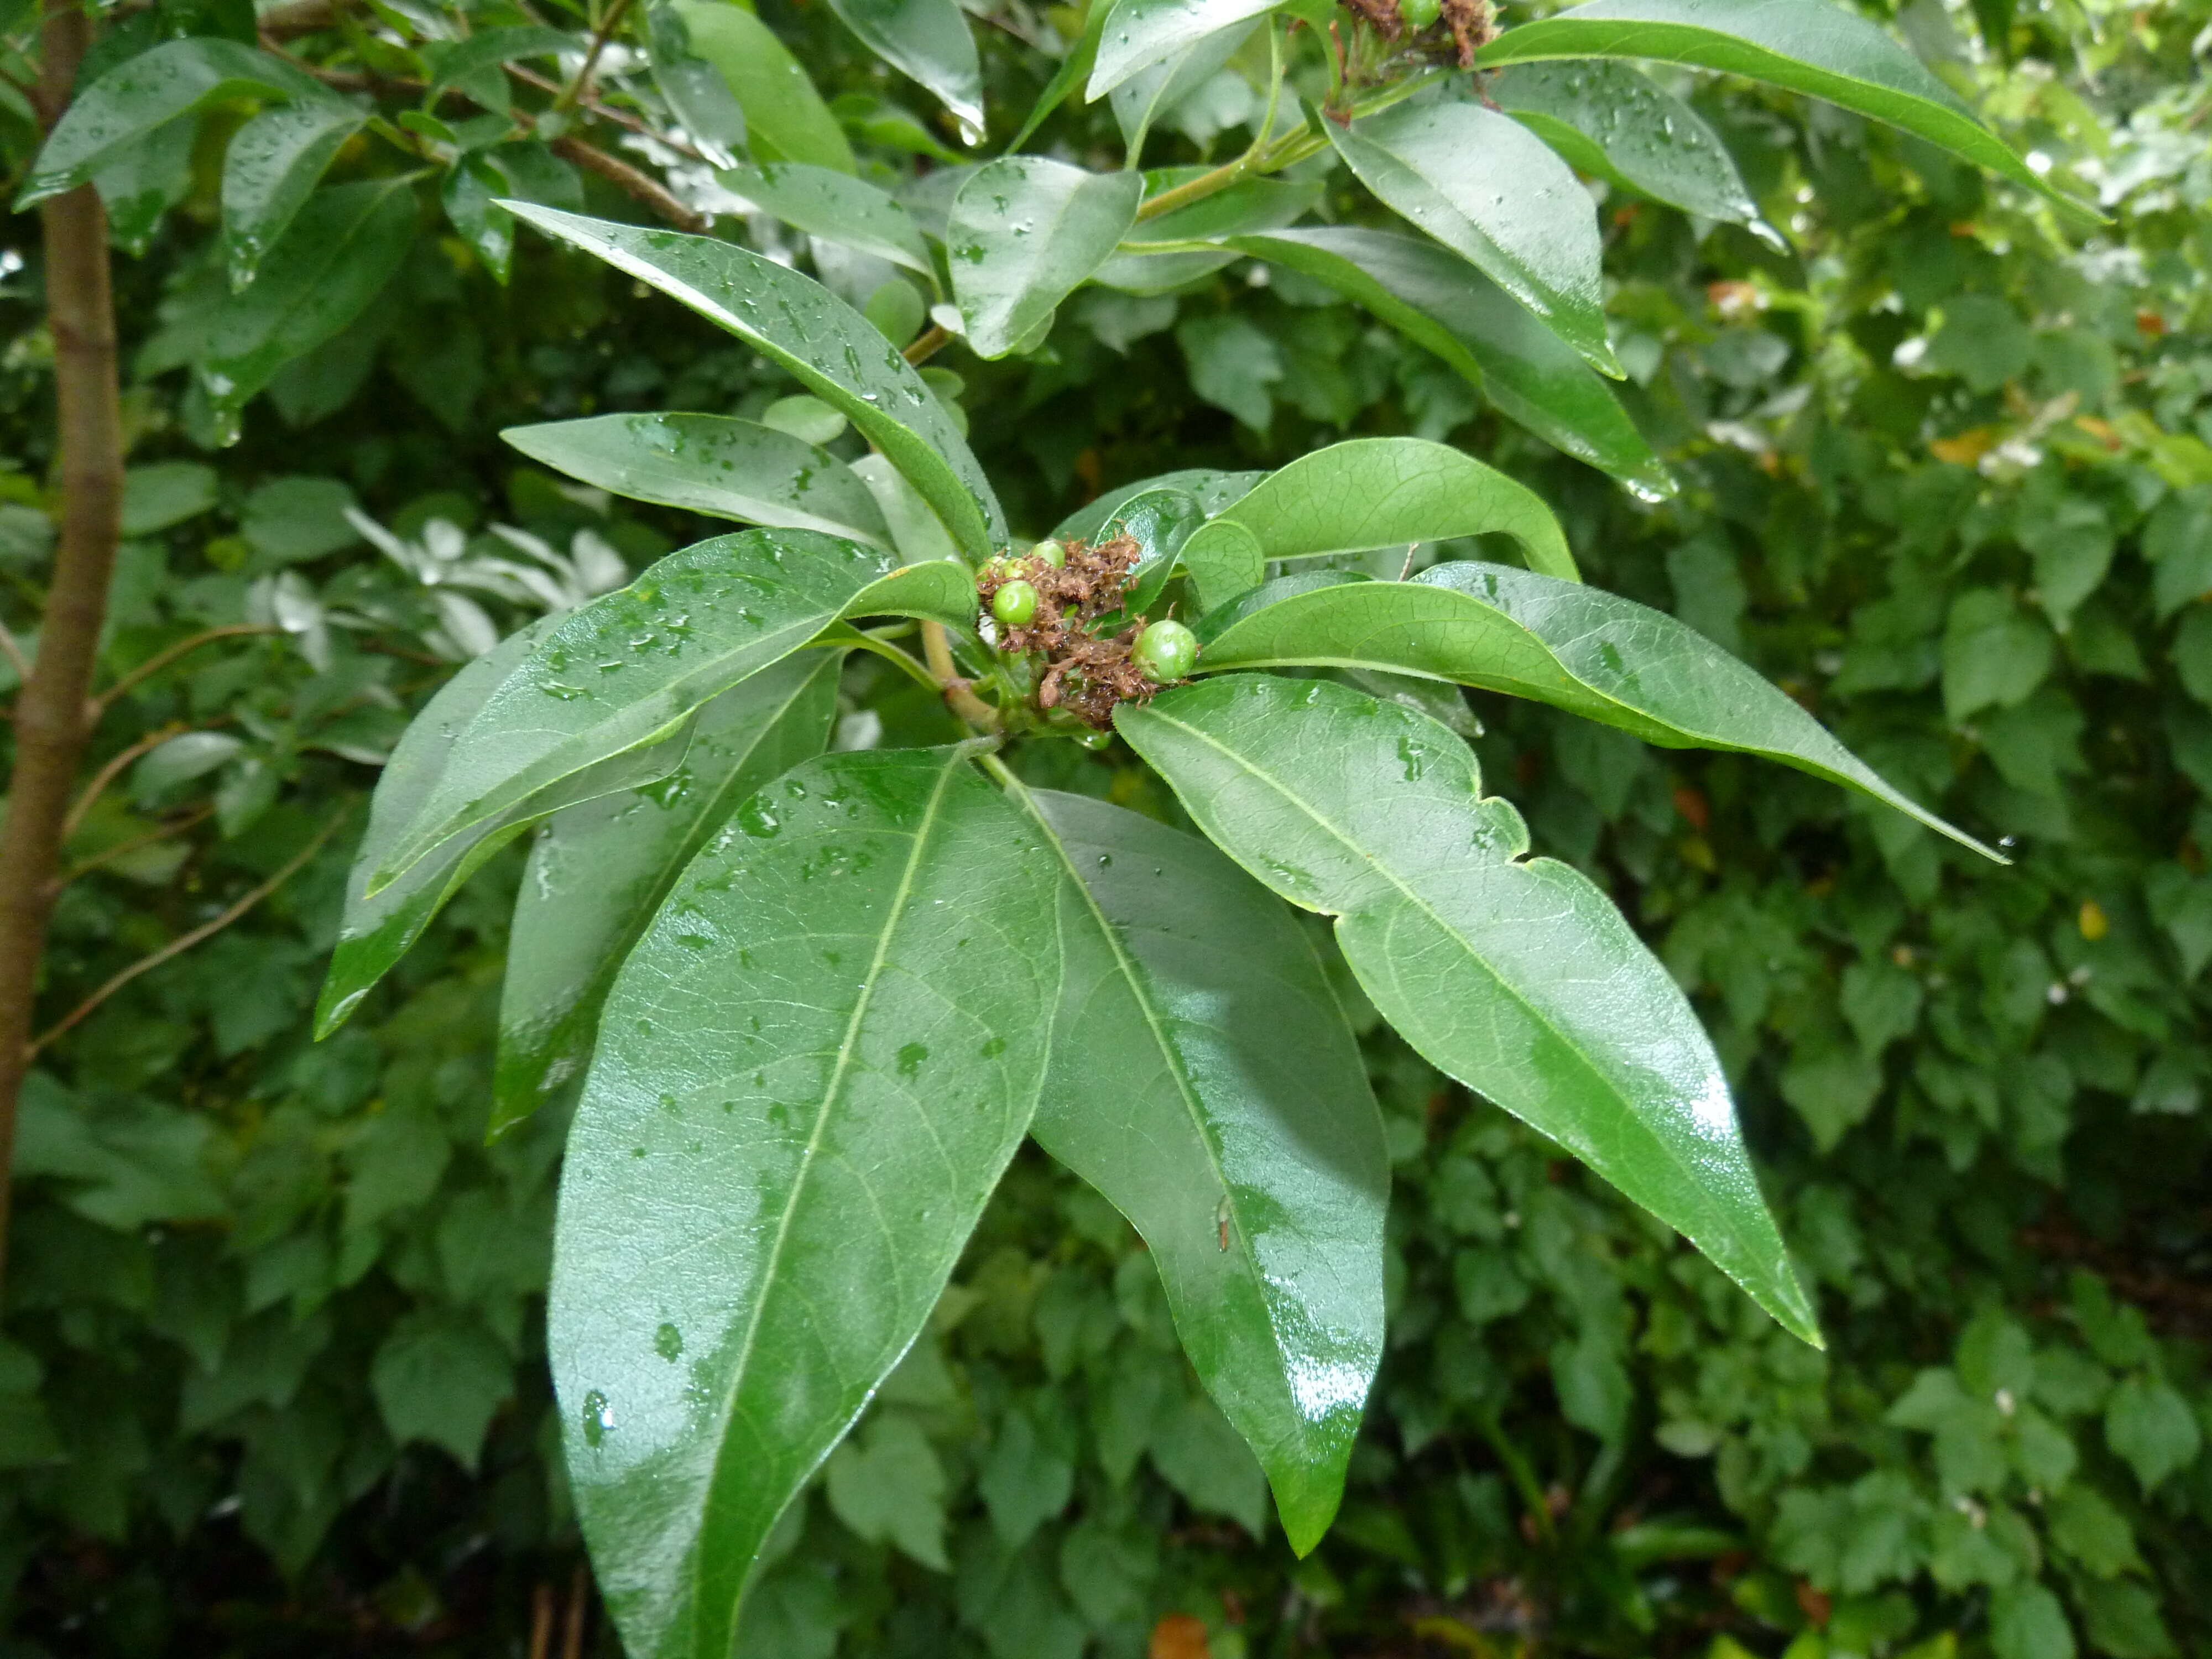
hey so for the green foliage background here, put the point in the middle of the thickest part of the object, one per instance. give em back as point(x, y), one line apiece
point(274, 1379)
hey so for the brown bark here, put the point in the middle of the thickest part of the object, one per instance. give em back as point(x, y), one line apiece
point(53, 717)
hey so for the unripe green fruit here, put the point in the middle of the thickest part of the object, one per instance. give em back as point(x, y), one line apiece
point(1015, 605)
point(1000, 570)
point(1053, 553)
point(1165, 650)
point(1094, 740)
point(1419, 14)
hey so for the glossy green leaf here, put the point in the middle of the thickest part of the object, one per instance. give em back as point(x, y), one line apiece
point(1515, 975)
point(697, 94)
point(928, 40)
point(150, 90)
point(1249, 205)
point(1140, 32)
point(1493, 192)
point(1160, 521)
point(1204, 1080)
point(786, 119)
point(814, 1065)
point(631, 664)
point(1025, 232)
point(453, 62)
point(1576, 647)
point(879, 121)
point(1365, 494)
point(374, 933)
point(712, 463)
point(833, 349)
point(335, 256)
point(1808, 46)
point(835, 206)
point(269, 172)
point(598, 872)
point(1151, 93)
point(1609, 121)
point(1212, 490)
point(1440, 301)
point(1073, 69)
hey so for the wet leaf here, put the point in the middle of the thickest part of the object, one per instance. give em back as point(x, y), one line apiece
point(835, 206)
point(1025, 232)
point(927, 40)
point(1204, 1080)
point(814, 1065)
point(833, 349)
point(1576, 647)
point(270, 172)
point(712, 463)
point(1609, 121)
point(786, 119)
point(1494, 193)
point(1140, 32)
point(598, 873)
point(1515, 975)
point(1249, 205)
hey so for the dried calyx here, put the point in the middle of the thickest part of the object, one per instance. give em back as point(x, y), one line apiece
point(1083, 673)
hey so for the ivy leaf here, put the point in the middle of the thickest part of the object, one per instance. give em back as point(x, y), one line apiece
point(836, 352)
point(1607, 119)
point(786, 119)
point(1204, 1080)
point(1140, 32)
point(712, 463)
point(1025, 232)
point(1365, 494)
point(1437, 299)
point(1493, 192)
point(814, 1065)
point(1591, 653)
point(626, 668)
point(928, 40)
point(598, 873)
point(270, 172)
point(1515, 975)
point(151, 90)
point(335, 256)
point(375, 931)
point(835, 206)
point(1808, 46)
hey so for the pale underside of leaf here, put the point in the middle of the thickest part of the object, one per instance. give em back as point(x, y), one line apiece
point(1140, 32)
point(813, 1067)
point(1516, 976)
point(1025, 232)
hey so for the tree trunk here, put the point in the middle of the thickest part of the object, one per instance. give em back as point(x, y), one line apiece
point(52, 719)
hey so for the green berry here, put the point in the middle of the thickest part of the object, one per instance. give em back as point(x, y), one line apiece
point(1015, 605)
point(1419, 14)
point(1000, 570)
point(1165, 650)
point(1094, 740)
point(1053, 553)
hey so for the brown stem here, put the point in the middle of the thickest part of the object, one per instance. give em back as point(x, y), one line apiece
point(160, 659)
point(51, 721)
point(638, 186)
point(198, 815)
point(927, 344)
point(580, 88)
point(959, 696)
point(113, 769)
point(184, 942)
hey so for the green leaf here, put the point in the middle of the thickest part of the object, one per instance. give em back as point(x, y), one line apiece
point(835, 206)
point(1140, 32)
point(632, 665)
point(456, 61)
point(712, 463)
point(1072, 69)
point(145, 92)
point(1607, 119)
point(1151, 93)
point(1248, 206)
point(270, 171)
point(598, 873)
point(1580, 648)
point(786, 119)
point(1159, 521)
point(375, 931)
point(441, 1376)
point(1516, 976)
point(1211, 489)
point(886, 1485)
point(2026, 1622)
point(928, 40)
point(1204, 1080)
point(1808, 46)
point(2150, 1425)
point(1364, 493)
point(814, 1065)
point(335, 256)
point(165, 493)
point(1025, 232)
point(1491, 191)
point(1993, 653)
point(830, 347)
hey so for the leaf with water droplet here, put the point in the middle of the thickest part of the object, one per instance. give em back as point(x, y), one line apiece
point(801, 1204)
point(1037, 230)
point(1611, 122)
point(1138, 34)
point(1514, 974)
point(929, 40)
point(269, 172)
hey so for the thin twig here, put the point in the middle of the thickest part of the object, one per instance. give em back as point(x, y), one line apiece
point(13, 653)
point(198, 815)
point(107, 773)
point(160, 659)
point(581, 85)
point(959, 695)
point(580, 1607)
point(541, 1623)
point(607, 111)
point(186, 941)
point(927, 345)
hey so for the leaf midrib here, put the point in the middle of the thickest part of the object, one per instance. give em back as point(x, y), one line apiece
point(1422, 905)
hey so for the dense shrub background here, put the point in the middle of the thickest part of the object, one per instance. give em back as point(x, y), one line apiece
point(273, 1373)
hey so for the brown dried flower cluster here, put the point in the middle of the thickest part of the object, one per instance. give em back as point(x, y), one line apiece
point(1084, 673)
